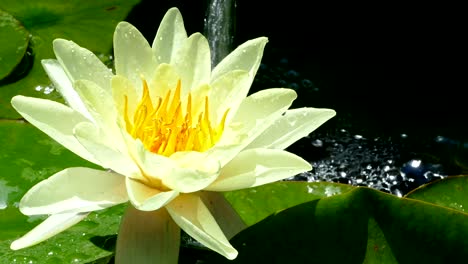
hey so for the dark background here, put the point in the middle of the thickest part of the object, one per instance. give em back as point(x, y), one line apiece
point(386, 68)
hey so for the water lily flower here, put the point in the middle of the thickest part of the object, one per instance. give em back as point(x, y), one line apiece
point(170, 133)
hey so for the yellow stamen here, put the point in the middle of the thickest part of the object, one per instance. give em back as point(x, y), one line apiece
point(166, 127)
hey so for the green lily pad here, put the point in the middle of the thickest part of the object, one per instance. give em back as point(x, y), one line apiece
point(27, 156)
point(359, 226)
point(255, 204)
point(90, 24)
point(450, 192)
point(14, 39)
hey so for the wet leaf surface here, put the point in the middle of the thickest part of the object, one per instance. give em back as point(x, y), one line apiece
point(451, 192)
point(14, 40)
point(359, 226)
point(255, 204)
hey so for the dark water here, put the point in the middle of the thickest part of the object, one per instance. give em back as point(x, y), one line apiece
point(390, 71)
point(348, 150)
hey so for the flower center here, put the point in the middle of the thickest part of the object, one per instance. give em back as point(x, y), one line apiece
point(166, 128)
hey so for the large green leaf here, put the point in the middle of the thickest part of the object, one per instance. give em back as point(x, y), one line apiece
point(359, 226)
point(26, 157)
point(450, 192)
point(88, 23)
point(255, 204)
point(14, 40)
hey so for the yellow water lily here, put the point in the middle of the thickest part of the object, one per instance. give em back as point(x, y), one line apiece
point(169, 131)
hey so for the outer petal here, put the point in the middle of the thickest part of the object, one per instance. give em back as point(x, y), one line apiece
point(191, 214)
point(100, 105)
point(75, 190)
point(256, 113)
point(227, 92)
point(133, 55)
point(228, 219)
point(108, 157)
point(147, 238)
point(171, 34)
point(81, 64)
point(246, 57)
point(192, 62)
point(64, 85)
point(49, 228)
point(145, 198)
point(54, 119)
point(292, 126)
point(256, 167)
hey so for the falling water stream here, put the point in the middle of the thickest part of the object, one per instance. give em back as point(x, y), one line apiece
point(219, 28)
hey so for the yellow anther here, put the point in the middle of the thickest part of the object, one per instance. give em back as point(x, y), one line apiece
point(166, 128)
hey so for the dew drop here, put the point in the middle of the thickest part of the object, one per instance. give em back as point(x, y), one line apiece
point(317, 143)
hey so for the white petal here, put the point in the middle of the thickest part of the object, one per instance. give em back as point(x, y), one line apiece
point(227, 92)
point(256, 167)
point(183, 172)
point(198, 95)
point(147, 237)
point(108, 157)
point(228, 219)
point(163, 80)
point(292, 126)
point(122, 88)
point(74, 190)
point(53, 225)
point(54, 119)
point(81, 64)
point(246, 57)
point(194, 171)
point(145, 198)
point(65, 87)
point(255, 114)
point(133, 55)
point(191, 214)
point(258, 111)
point(100, 105)
point(153, 165)
point(192, 62)
point(171, 34)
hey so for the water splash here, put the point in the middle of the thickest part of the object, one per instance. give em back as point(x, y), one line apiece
point(373, 162)
point(219, 28)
